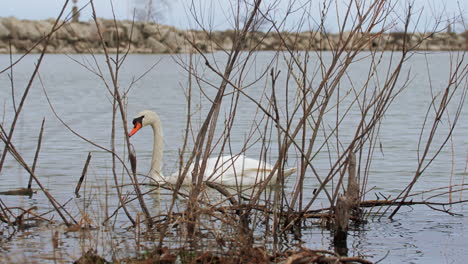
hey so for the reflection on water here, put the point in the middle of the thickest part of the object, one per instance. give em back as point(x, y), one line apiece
point(418, 234)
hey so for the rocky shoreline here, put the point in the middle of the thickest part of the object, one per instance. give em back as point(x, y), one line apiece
point(82, 37)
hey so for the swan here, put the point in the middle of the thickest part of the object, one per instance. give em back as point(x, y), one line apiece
point(225, 170)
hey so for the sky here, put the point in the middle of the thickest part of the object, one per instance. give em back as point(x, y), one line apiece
point(218, 12)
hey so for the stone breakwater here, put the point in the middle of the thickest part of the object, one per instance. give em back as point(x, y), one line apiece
point(19, 36)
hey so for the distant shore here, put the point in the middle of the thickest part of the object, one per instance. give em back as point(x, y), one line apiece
point(19, 36)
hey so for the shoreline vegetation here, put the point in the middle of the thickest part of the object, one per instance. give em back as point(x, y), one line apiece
point(20, 36)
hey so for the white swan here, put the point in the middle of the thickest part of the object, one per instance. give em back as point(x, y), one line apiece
point(226, 170)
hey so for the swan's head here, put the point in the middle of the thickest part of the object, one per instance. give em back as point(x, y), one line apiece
point(144, 118)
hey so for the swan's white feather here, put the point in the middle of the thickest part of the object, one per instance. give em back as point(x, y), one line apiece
point(225, 170)
point(232, 170)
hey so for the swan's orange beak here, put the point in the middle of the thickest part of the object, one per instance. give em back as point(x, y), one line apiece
point(135, 129)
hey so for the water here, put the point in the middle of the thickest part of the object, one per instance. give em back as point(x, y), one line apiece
point(417, 234)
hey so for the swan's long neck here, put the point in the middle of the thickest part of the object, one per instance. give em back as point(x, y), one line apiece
point(156, 161)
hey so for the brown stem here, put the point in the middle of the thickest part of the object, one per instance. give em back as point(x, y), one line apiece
point(83, 174)
point(36, 156)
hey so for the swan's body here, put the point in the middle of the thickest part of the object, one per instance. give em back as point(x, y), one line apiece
point(226, 170)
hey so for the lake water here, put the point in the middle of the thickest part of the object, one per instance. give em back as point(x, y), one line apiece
point(417, 234)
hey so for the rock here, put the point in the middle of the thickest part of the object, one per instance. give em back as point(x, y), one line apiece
point(4, 32)
point(434, 47)
point(149, 30)
point(65, 32)
point(460, 42)
point(187, 49)
point(156, 46)
point(164, 30)
point(270, 42)
point(159, 32)
point(203, 41)
point(63, 46)
point(22, 45)
point(383, 40)
point(415, 38)
point(334, 39)
point(112, 36)
point(442, 36)
point(192, 40)
point(83, 31)
point(194, 34)
point(6, 49)
point(226, 44)
point(132, 31)
point(44, 27)
point(174, 41)
point(27, 30)
point(104, 23)
point(293, 42)
point(22, 29)
point(143, 50)
point(82, 47)
point(304, 38)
